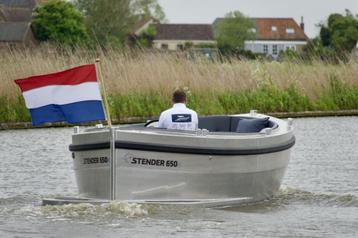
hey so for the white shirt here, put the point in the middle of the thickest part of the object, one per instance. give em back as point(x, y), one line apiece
point(178, 117)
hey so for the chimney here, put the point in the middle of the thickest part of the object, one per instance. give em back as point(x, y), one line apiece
point(302, 24)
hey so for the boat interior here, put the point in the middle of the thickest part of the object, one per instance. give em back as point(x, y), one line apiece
point(233, 124)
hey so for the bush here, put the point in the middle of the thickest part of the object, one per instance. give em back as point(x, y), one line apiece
point(58, 21)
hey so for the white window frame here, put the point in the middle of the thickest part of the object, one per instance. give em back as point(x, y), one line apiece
point(274, 28)
point(290, 30)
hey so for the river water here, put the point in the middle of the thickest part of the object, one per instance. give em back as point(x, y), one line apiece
point(318, 198)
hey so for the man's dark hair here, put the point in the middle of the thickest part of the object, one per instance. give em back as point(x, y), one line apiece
point(179, 96)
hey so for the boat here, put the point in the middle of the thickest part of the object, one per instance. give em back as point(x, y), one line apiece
point(228, 159)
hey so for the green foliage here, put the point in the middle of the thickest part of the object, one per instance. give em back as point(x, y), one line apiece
point(316, 50)
point(58, 21)
point(145, 40)
point(290, 55)
point(148, 8)
point(188, 45)
point(232, 32)
point(336, 40)
point(248, 54)
point(108, 21)
point(207, 45)
point(341, 32)
point(267, 97)
point(138, 104)
point(13, 110)
point(340, 95)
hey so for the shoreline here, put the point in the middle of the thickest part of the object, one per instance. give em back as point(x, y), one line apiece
point(132, 120)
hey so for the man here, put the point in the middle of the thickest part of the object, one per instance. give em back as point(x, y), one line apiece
point(179, 117)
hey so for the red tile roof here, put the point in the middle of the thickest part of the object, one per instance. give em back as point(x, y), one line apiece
point(184, 32)
point(265, 32)
point(264, 29)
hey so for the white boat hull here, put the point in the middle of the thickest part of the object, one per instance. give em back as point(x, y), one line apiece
point(158, 175)
point(182, 176)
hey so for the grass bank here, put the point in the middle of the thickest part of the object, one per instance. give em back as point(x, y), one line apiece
point(140, 83)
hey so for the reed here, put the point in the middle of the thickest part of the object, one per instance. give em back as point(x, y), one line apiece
point(140, 82)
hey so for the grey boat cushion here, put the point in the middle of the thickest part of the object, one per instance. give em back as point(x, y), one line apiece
point(233, 124)
point(215, 123)
point(252, 125)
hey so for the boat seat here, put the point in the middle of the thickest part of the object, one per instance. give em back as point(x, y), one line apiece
point(230, 124)
point(215, 123)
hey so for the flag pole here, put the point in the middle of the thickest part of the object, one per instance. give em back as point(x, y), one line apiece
point(112, 138)
point(104, 92)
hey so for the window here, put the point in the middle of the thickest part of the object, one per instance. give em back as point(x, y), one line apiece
point(290, 30)
point(164, 46)
point(274, 49)
point(274, 28)
point(265, 49)
point(253, 30)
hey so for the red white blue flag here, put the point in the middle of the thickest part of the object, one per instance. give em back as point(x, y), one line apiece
point(72, 95)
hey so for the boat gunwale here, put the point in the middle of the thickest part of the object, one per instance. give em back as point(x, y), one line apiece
point(144, 146)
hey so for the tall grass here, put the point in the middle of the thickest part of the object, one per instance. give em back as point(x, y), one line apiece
point(140, 83)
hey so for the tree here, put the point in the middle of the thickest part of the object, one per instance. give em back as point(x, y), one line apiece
point(232, 32)
point(145, 40)
point(109, 22)
point(341, 32)
point(314, 49)
point(59, 21)
point(148, 8)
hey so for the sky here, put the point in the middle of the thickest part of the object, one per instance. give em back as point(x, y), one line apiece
point(205, 11)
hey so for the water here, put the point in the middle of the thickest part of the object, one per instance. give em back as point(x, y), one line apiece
point(318, 198)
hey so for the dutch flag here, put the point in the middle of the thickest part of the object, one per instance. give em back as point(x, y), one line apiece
point(72, 95)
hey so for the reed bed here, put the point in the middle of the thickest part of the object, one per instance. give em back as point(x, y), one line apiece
point(140, 82)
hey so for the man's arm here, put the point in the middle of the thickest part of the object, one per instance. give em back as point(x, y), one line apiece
point(161, 121)
point(195, 120)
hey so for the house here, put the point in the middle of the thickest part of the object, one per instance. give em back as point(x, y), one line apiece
point(143, 24)
point(16, 34)
point(28, 4)
point(274, 35)
point(198, 38)
point(177, 36)
point(15, 22)
point(8, 14)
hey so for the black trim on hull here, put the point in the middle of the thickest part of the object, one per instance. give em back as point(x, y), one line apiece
point(182, 150)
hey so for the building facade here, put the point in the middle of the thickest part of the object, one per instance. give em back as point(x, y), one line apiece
point(15, 23)
point(179, 36)
point(274, 35)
